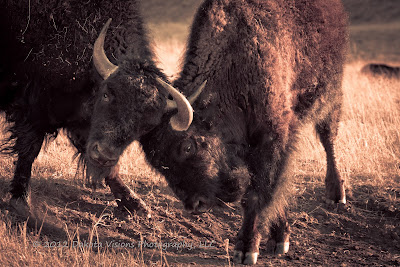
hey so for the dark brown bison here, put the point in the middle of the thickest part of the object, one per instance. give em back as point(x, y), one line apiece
point(381, 70)
point(270, 67)
point(131, 102)
point(47, 82)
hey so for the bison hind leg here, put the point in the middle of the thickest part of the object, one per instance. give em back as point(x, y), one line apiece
point(21, 206)
point(27, 146)
point(327, 131)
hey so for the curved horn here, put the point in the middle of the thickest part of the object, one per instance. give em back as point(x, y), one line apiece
point(171, 104)
point(182, 120)
point(102, 64)
point(196, 94)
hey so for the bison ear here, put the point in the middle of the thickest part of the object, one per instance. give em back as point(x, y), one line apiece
point(102, 64)
point(182, 120)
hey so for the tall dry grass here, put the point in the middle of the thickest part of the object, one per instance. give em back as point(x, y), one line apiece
point(368, 143)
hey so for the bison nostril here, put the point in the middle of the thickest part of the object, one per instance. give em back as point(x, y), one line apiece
point(103, 155)
point(200, 205)
point(95, 148)
point(189, 207)
point(94, 151)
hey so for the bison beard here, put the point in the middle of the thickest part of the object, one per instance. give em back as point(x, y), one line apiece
point(47, 84)
point(270, 66)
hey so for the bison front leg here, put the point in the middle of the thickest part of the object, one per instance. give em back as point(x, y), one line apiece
point(125, 197)
point(265, 201)
point(279, 235)
point(28, 147)
point(248, 240)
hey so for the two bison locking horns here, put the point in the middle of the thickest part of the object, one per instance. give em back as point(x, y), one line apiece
point(255, 72)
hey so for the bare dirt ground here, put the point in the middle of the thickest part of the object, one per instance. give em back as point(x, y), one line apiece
point(73, 225)
point(364, 232)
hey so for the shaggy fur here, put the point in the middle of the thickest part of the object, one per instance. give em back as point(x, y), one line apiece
point(270, 66)
point(47, 82)
point(128, 105)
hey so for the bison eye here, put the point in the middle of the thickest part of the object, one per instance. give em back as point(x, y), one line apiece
point(105, 97)
point(186, 150)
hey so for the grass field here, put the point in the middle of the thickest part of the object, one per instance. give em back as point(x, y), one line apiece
point(364, 232)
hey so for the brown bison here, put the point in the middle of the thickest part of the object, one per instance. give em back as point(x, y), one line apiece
point(381, 70)
point(47, 82)
point(270, 67)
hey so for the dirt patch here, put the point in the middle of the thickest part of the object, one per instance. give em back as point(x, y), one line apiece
point(364, 232)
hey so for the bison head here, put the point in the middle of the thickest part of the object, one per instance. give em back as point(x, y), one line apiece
point(201, 165)
point(129, 103)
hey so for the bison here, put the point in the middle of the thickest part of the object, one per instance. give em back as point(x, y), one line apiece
point(382, 70)
point(47, 82)
point(271, 66)
point(131, 101)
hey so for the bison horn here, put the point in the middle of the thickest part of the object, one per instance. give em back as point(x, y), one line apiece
point(182, 120)
point(172, 104)
point(102, 64)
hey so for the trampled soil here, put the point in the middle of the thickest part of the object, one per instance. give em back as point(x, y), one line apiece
point(366, 231)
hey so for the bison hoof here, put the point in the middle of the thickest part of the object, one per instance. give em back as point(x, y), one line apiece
point(249, 258)
point(134, 204)
point(237, 257)
point(282, 248)
point(331, 202)
point(20, 206)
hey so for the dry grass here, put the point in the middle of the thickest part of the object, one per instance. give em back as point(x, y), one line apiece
point(23, 248)
point(368, 142)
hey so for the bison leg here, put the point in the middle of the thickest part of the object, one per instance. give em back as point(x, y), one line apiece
point(327, 131)
point(248, 240)
point(280, 233)
point(265, 199)
point(28, 147)
point(125, 197)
